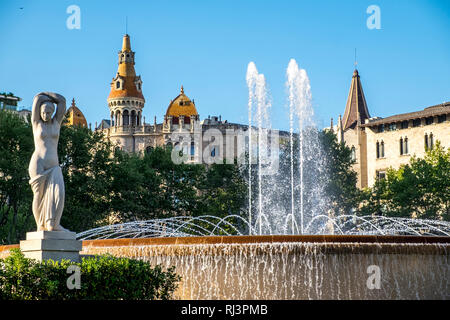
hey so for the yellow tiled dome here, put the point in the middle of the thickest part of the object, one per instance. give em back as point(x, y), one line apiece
point(182, 106)
point(75, 116)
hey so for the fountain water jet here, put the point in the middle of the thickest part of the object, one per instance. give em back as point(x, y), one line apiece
point(258, 99)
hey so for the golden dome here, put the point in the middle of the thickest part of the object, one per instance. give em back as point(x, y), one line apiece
point(126, 83)
point(181, 106)
point(75, 116)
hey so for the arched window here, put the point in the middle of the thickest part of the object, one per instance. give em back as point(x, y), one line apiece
point(213, 152)
point(133, 118)
point(126, 118)
point(149, 149)
point(382, 148)
point(401, 146)
point(378, 150)
point(117, 84)
point(192, 149)
point(431, 141)
point(427, 146)
point(117, 122)
point(353, 154)
point(405, 146)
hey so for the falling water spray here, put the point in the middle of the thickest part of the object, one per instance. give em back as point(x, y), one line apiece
point(300, 106)
point(258, 98)
point(252, 73)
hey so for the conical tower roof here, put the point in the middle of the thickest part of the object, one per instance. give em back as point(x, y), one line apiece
point(356, 110)
point(126, 83)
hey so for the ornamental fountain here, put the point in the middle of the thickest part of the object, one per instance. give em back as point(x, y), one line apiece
point(291, 249)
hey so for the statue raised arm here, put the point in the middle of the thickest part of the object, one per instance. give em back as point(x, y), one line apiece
point(46, 177)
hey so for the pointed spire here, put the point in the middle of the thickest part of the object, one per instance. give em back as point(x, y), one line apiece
point(356, 111)
point(340, 131)
point(126, 59)
point(126, 46)
point(126, 83)
point(73, 102)
point(182, 89)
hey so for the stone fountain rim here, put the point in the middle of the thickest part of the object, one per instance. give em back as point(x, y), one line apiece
point(375, 239)
point(255, 239)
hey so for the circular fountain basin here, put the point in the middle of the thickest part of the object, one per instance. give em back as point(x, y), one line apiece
point(294, 267)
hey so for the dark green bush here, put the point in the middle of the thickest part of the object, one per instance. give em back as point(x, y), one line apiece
point(102, 277)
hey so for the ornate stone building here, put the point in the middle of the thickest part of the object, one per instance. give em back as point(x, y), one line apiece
point(380, 143)
point(181, 126)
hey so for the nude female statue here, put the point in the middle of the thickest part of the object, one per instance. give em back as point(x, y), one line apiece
point(46, 177)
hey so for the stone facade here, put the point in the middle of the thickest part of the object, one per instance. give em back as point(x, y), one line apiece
point(380, 143)
point(210, 138)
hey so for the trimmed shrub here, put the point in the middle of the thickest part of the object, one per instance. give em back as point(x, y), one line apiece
point(102, 278)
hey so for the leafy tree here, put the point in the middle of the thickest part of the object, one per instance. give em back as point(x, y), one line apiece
point(341, 178)
point(16, 148)
point(224, 190)
point(420, 189)
point(86, 160)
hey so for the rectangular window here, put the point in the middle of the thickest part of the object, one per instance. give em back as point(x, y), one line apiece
point(416, 123)
point(381, 128)
point(428, 141)
point(353, 154)
point(401, 146)
point(405, 124)
point(381, 174)
point(429, 120)
point(404, 146)
point(392, 126)
point(442, 118)
point(378, 150)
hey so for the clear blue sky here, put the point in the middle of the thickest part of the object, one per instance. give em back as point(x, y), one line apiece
point(206, 46)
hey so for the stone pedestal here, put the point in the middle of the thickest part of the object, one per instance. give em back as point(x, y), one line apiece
point(55, 245)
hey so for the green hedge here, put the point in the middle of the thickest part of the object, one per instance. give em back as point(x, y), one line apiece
point(102, 277)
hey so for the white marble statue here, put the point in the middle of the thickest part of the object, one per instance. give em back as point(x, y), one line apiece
point(46, 177)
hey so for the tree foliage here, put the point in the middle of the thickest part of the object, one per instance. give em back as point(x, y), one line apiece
point(341, 178)
point(16, 148)
point(419, 189)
